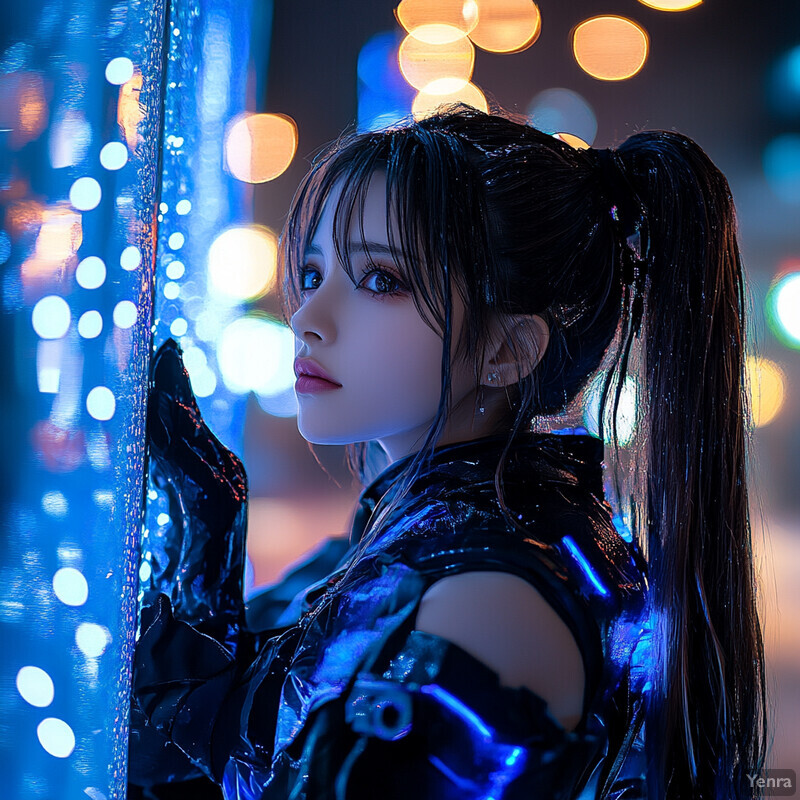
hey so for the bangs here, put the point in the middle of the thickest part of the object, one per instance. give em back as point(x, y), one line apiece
point(437, 239)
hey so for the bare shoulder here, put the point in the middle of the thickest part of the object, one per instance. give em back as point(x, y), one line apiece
point(507, 624)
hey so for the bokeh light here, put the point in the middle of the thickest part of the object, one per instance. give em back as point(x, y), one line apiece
point(35, 686)
point(671, 5)
point(436, 53)
point(101, 403)
point(92, 639)
point(130, 258)
point(114, 155)
point(130, 111)
point(85, 194)
point(563, 111)
point(782, 166)
point(90, 324)
point(572, 141)
point(70, 586)
point(461, 14)
point(610, 48)
point(51, 317)
point(56, 737)
point(183, 207)
point(176, 240)
point(506, 26)
point(256, 354)
point(242, 262)
point(175, 270)
point(784, 86)
point(59, 238)
point(783, 309)
point(260, 147)
point(55, 504)
point(426, 103)
point(119, 70)
point(125, 314)
point(384, 95)
point(768, 389)
point(91, 272)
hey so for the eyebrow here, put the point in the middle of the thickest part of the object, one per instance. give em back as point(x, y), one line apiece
point(375, 248)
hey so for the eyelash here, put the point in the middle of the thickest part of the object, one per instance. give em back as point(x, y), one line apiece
point(401, 288)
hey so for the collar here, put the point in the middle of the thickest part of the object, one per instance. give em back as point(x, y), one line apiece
point(563, 456)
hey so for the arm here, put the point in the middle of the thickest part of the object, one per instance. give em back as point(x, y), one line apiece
point(504, 622)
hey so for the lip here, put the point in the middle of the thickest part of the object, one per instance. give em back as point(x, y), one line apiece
point(312, 377)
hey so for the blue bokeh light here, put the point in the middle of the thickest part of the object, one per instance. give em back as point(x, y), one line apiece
point(384, 96)
point(782, 166)
point(784, 85)
point(563, 111)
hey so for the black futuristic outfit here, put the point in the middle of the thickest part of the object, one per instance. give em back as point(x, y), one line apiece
point(339, 697)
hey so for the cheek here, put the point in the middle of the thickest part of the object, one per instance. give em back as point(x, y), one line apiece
point(406, 353)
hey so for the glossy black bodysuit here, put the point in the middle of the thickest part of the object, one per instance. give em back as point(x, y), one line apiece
point(340, 697)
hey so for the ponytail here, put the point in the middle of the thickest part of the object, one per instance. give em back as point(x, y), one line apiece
point(706, 725)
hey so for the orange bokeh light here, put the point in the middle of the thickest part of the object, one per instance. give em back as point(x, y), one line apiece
point(460, 14)
point(130, 111)
point(435, 52)
point(767, 390)
point(610, 48)
point(23, 107)
point(426, 102)
point(506, 26)
point(671, 5)
point(572, 140)
point(260, 147)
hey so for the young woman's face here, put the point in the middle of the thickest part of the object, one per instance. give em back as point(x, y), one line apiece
point(369, 339)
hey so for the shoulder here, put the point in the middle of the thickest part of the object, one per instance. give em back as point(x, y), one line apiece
point(505, 622)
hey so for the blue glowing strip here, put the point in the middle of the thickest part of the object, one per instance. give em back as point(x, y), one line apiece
point(584, 564)
point(455, 705)
point(513, 756)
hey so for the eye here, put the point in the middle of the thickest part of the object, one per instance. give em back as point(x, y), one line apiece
point(309, 278)
point(381, 282)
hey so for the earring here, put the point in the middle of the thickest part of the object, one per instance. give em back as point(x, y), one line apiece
point(492, 376)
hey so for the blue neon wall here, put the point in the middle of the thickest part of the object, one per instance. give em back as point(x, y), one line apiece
point(111, 114)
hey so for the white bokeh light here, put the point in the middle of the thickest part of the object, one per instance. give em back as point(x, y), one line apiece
point(256, 354)
point(114, 155)
point(35, 686)
point(171, 290)
point(55, 504)
point(130, 258)
point(175, 270)
point(162, 519)
point(787, 306)
point(85, 194)
point(56, 737)
point(125, 314)
point(92, 639)
point(70, 586)
point(176, 240)
point(119, 70)
point(183, 207)
point(91, 272)
point(179, 327)
point(101, 403)
point(51, 317)
point(90, 325)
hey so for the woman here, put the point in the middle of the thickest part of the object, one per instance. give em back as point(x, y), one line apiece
point(486, 631)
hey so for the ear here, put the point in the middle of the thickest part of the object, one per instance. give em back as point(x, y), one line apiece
point(516, 345)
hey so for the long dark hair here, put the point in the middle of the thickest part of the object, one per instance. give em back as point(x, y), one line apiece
point(609, 248)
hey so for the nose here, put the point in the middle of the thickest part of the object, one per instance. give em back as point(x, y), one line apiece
point(311, 323)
